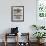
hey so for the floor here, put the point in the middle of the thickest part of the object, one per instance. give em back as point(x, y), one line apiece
point(13, 44)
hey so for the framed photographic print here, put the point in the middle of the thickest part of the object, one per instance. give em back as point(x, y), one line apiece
point(17, 13)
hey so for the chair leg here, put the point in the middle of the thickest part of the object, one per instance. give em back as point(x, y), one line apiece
point(5, 44)
point(5, 40)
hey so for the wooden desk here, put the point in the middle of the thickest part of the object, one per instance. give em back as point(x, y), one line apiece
point(17, 43)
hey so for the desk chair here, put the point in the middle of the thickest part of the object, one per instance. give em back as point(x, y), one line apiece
point(8, 35)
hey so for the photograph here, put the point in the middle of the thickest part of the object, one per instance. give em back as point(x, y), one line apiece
point(17, 13)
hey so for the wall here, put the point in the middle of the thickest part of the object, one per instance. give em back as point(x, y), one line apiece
point(29, 15)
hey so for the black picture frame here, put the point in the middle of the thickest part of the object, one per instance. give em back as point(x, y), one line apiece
point(17, 13)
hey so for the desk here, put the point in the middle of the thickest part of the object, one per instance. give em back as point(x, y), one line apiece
point(18, 43)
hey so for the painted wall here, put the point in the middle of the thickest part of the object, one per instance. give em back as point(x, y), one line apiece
point(29, 15)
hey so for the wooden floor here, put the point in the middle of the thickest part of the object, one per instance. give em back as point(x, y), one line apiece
point(13, 44)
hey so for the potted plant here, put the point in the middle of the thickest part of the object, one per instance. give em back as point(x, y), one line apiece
point(39, 35)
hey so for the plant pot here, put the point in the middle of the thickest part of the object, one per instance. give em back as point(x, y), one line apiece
point(40, 41)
